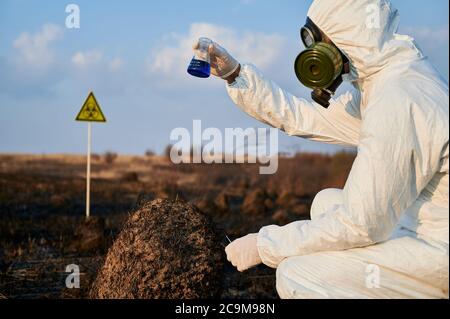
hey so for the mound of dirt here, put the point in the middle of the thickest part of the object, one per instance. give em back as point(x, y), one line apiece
point(166, 250)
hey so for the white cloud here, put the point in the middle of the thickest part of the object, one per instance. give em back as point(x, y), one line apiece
point(34, 49)
point(95, 70)
point(87, 59)
point(173, 58)
point(116, 64)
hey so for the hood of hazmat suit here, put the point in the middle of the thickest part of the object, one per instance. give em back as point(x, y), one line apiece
point(392, 214)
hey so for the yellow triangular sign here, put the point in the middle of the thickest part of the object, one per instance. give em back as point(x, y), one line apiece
point(91, 111)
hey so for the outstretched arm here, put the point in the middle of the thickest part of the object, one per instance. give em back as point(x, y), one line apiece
point(267, 102)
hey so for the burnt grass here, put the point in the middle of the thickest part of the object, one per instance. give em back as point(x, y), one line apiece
point(43, 228)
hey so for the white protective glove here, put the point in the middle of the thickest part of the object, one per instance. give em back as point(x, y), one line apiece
point(222, 63)
point(243, 253)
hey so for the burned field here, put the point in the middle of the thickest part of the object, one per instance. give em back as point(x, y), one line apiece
point(43, 229)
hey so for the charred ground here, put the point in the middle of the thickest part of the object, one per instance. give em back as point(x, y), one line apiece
point(42, 225)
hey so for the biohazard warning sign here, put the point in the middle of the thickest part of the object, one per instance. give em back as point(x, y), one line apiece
point(91, 111)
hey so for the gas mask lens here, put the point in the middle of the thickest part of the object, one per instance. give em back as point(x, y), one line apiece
point(307, 37)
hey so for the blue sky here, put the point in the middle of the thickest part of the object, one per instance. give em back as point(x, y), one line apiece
point(134, 55)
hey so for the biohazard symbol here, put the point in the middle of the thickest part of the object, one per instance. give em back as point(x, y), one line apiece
point(91, 111)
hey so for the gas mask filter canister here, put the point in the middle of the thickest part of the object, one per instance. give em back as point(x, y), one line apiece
point(320, 66)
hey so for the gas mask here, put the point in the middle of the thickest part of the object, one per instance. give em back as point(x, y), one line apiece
point(321, 66)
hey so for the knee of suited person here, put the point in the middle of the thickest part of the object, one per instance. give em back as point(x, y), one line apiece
point(283, 286)
point(325, 201)
point(290, 285)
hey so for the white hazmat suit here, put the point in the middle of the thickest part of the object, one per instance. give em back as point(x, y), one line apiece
point(385, 235)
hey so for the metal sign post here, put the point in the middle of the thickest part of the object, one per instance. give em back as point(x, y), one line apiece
point(88, 172)
point(90, 112)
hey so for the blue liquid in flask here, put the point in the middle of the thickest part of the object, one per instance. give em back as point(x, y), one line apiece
point(199, 69)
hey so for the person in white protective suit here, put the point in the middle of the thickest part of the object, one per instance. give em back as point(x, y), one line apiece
point(385, 235)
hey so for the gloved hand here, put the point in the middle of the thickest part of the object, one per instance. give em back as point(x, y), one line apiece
point(243, 253)
point(223, 65)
